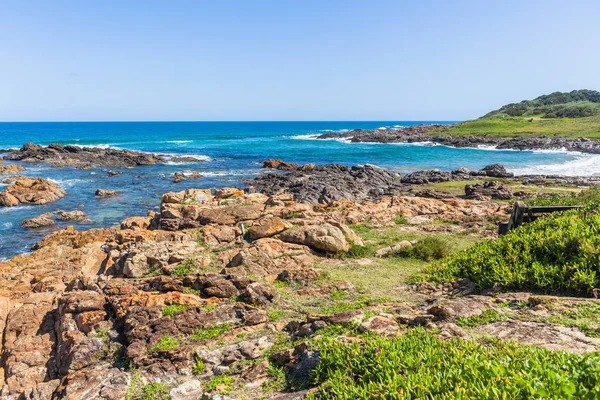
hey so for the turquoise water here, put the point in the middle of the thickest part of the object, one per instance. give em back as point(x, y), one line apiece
point(234, 151)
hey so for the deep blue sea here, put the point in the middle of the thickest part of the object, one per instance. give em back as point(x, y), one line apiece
point(234, 152)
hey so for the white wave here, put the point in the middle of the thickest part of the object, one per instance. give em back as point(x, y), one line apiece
point(304, 137)
point(5, 210)
point(94, 146)
point(67, 183)
point(383, 128)
point(7, 225)
point(228, 173)
point(178, 141)
point(582, 165)
point(335, 130)
point(170, 156)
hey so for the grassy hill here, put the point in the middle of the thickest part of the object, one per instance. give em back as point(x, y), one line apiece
point(561, 114)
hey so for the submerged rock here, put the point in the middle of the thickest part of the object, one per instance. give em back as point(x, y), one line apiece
point(106, 193)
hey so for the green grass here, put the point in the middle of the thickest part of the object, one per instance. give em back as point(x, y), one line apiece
point(400, 220)
point(418, 365)
point(155, 391)
point(588, 197)
point(165, 343)
point(559, 252)
point(199, 367)
point(211, 332)
point(173, 309)
point(520, 126)
point(486, 317)
point(188, 267)
point(221, 384)
point(427, 249)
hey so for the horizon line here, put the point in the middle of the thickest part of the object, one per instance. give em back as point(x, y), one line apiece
point(234, 121)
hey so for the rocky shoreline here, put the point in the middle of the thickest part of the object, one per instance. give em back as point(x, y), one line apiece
point(58, 155)
point(226, 283)
point(326, 183)
point(424, 134)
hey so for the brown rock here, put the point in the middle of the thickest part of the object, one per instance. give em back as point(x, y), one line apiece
point(37, 222)
point(266, 227)
point(35, 191)
point(380, 325)
point(324, 237)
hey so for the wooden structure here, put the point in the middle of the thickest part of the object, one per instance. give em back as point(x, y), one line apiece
point(521, 214)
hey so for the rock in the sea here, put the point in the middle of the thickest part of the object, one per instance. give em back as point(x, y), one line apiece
point(84, 157)
point(324, 237)
point(488, 190)
point(75, 215)
point(113, 173)
point(105, 193)
point(281, 165)
point(11, 169)
point(38, 222)
point(26, 190)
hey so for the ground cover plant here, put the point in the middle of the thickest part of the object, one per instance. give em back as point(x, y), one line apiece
point(558, 252)
point(419, 365)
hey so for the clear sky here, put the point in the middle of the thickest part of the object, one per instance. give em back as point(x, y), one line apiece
point(289, 60)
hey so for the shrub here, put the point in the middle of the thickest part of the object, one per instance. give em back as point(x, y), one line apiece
point(173, 309)
point(188, 267)
point(558, 252)
point(428, 249)
point(155, 391)
point(199, 367)
point(358, 251)
point(589, 197)
point(165, 343)
point(400, 220)
point(418, 365)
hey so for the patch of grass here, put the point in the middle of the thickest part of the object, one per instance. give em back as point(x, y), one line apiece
point(361, 229)
point(337, 295)
point(190, 290)
point(293, 215)
point(400, 220)
point(357, 251)
point(281, 284)
point(210, 307)
point(199, 367)
point(427, 249)
point(277, 379)
point(588, 127)
point(173, 309)
point(559, 252)
point(211, 332)
point(419, 365)
point(276, 314)
point(165, 343)
point(486, 317)
point(221, 384)
point(588, 197)
point(155, 391)
point(188, 267)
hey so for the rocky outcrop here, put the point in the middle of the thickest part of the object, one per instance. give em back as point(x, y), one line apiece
point(424, 134)
point(323, 237)
point(11, 169)
point(39, 222)
point(106, 193)
point(324, 184)
point(488, 190)
point(84, 157)
point(35, 191)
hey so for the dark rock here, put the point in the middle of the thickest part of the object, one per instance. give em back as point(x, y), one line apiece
point(488, 190)
point(496, 171)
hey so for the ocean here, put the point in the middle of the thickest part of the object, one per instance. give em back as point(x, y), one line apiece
point(234, 152)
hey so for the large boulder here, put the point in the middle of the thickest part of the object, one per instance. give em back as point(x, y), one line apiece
point(325, 237)
point(496, 171)
point(35, 191)
point(266, 227)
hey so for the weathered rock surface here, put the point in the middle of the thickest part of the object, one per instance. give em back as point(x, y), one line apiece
point(84, 157)
point(24, 190)
point(324, 237)
point(106, 193)
point(11, 169)
point(323, 184)
point(488, 190)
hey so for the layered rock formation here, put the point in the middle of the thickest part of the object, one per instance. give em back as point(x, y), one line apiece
point(25, 190)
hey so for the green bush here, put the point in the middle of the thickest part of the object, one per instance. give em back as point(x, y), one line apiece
point(428, 249)
point(188, 267)
point(173, 309)
point(165, 343)
point(221, 384)
point(558, 252)
point(211, 332)
point(199, 367)
point(589, 197)
point(156, 391)
point(420, 366)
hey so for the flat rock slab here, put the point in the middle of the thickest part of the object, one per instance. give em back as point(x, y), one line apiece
point(551, 337)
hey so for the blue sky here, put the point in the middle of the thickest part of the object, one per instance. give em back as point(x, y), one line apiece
point(289, 60)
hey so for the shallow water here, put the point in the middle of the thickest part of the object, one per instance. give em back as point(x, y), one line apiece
point(235, 151)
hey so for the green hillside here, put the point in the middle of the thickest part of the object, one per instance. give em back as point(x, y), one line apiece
point(560, 114)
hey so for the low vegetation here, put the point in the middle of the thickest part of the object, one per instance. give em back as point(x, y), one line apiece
point(589, 197)
point(173, 309)
point(418, 365)
point(427, 249)
point(165, 343)
point(188, 267)
point(221, 384)
point(211, 332)
point(559, 252)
